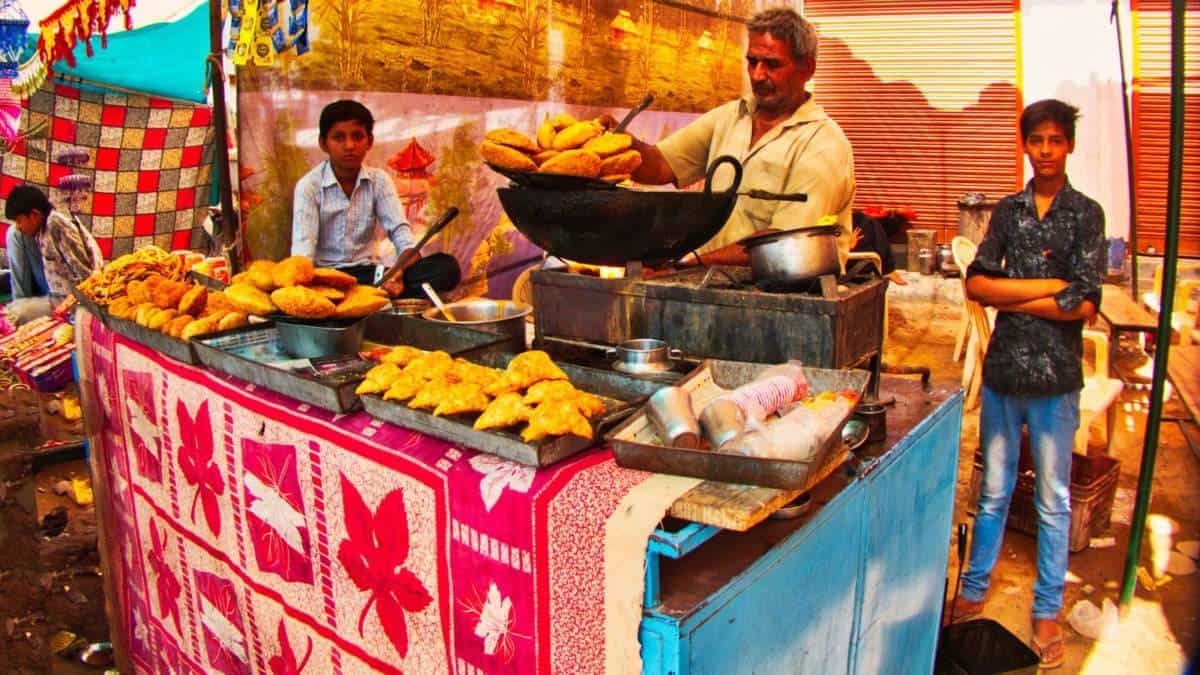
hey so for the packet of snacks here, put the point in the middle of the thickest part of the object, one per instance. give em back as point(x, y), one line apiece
point(213, 268)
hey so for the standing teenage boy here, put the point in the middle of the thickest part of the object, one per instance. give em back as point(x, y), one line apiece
point(1040, 265)
point(341, 208)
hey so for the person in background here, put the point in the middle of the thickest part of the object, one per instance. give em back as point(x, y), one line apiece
point(342, 208)
point(783, 139)
point(68, 253)
point(1040, 265)
point(25, 263)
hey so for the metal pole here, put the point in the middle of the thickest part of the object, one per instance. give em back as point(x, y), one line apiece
point(229, 215)
point(1162, 341)
point(1115, 17)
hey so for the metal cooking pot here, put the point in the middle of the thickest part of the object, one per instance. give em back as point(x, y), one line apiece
point(645, 355)
point(793, 255)
point(503, 317)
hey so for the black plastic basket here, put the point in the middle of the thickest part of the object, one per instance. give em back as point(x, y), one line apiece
point(982, 647)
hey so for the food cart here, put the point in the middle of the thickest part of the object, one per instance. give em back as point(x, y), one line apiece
point(250, 523)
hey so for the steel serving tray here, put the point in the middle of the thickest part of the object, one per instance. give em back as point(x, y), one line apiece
point(247, 352)
point(619, 392)
point(178, 349)
point(636, 444)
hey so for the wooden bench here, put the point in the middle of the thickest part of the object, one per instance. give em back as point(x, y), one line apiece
point(1124, 315)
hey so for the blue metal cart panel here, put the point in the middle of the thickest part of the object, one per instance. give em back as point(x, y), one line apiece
point(855, 589)
point(910, 505)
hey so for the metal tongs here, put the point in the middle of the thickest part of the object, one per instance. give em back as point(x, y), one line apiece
point(407, 256)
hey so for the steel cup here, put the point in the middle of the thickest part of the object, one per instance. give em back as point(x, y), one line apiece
point(670, 411)
point(720, 421)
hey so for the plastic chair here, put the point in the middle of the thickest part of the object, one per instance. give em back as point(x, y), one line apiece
point(1099, 393)
point(964, 251)
point(976, 328)
point(1183, 322)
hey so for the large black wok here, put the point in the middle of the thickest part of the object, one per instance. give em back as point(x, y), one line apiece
point(613, 227)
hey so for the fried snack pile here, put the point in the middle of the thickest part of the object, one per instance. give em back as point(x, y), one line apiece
point(110, 282)
point(565, 146)
point(297, 288)
point(176, 309)
point(532, 389)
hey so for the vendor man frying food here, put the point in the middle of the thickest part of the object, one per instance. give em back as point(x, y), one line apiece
point(784, 140)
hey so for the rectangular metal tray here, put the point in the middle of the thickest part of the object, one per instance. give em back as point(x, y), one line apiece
point(619, 392)
point(246, 352)
point(636, 444)
point(175, 348)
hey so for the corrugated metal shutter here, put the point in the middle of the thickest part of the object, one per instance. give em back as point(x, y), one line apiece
point(1152, 119)
point(928, 93)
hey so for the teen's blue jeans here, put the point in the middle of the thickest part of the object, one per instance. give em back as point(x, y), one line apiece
point(1052, 421)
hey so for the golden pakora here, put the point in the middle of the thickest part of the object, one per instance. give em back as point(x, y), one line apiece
point(607, 144)
point(303, 302)
point(360, 301)
point(324, 276)
point(461, 397)
point(556, 418)
point(573, 163)
point(505, 410)
point(624, 162)
point(431, 366)
point(295, 270)
point(430, 395)
point(249, 299)
point(403, 354)
point(261, 275)
point(511, 138)
point(506, 157)
point(404, 387)
point(576, 135)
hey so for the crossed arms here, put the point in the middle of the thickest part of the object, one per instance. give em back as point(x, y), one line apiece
point(1027, 296)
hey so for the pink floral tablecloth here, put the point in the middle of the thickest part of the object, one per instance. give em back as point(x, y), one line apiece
point(247, 532)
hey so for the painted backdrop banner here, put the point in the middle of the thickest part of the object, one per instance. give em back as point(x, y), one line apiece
point(438, 74)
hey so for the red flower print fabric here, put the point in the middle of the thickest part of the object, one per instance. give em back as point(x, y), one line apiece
point(275, 510)
point(373, 554)
point(143, 423)
point(196, 463)
point(221, 622)
point(166, 585)
point(284, 663)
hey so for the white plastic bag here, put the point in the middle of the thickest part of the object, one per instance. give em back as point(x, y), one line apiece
point(20, 312)
point(1093, 622)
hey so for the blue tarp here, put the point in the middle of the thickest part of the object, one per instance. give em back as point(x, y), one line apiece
point(164, 59)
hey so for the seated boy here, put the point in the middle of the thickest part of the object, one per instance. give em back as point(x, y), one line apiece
point(341, 206)
point(25, 263)
point(68, 253)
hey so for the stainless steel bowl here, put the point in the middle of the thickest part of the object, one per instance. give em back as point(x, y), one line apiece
point(503, 317)
point(308, 340)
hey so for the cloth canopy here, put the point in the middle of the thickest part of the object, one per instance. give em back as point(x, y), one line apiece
point(165, 58)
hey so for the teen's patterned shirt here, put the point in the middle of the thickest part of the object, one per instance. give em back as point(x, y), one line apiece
point(1028, 355)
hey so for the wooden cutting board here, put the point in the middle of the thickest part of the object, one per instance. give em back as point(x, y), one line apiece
point(741, 507)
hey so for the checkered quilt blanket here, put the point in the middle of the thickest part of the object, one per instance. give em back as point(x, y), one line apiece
point(148, 161)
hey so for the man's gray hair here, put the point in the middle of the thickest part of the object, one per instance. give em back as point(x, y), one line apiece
point(783, 23)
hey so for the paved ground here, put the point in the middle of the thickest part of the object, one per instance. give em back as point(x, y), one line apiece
point(1161, 626)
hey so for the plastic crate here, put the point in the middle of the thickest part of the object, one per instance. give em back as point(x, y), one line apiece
point(1093, 487)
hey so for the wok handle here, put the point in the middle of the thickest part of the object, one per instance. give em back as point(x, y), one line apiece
point(776, 196)
point(712, 168)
